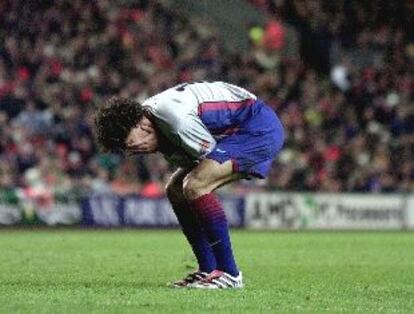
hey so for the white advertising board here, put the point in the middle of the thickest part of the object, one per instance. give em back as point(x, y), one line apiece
point(327, 211)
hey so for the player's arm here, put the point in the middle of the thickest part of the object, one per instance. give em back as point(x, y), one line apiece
point(196, 140)
point(182, 129)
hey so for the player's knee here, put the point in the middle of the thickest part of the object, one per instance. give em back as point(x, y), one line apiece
point(174, 192)
point(194, 187)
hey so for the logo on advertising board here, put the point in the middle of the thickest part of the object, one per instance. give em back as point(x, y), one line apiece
point(111, 210)
point(324, 211)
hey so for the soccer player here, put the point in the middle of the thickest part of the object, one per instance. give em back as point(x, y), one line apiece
point(216, 133)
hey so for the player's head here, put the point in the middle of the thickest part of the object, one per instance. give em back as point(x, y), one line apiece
point(121, 126)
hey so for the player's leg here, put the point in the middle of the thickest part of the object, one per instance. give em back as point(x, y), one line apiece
point(249, 151)
point(189, 223)
point(198, 187)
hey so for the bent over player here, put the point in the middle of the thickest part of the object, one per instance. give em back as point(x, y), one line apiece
point(215, 133)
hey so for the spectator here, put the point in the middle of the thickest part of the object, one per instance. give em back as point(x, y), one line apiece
point(353, 132)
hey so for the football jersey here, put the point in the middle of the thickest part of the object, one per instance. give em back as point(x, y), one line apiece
point(193, 116)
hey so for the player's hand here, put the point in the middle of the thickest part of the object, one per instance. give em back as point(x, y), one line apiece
point(147, 126)
point(148, 144)
point(143, 139)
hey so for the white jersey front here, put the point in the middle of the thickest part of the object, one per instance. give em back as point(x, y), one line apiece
point(188, 114)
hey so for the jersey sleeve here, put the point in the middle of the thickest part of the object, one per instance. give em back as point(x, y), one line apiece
point(195, 138)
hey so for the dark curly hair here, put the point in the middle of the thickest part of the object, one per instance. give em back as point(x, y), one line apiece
point(113, 122)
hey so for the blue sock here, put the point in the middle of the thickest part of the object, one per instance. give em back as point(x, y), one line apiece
point(195, 236)
point(214, 222)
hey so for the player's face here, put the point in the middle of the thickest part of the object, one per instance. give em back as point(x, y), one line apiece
point(142, 139)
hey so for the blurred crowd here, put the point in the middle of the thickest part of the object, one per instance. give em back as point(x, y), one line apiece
point(349, 103)
point(346, 100)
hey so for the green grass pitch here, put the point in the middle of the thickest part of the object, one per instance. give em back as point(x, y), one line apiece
point(126, 271)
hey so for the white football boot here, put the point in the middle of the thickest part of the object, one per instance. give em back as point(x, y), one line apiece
point(218, 279)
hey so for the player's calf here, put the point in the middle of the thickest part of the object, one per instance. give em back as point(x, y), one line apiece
point(189, 224)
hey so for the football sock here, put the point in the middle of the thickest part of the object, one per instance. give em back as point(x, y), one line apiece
point(195, 236)
point(213, 219)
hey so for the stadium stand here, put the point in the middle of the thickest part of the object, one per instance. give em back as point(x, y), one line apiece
point(349, 113)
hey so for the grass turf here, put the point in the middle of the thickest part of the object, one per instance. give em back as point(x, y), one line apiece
point(126, 271)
